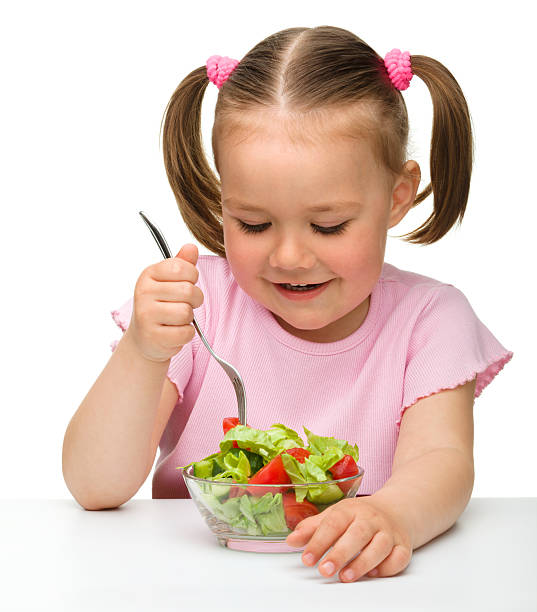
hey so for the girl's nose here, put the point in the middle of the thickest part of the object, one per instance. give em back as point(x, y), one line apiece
point(291, 253)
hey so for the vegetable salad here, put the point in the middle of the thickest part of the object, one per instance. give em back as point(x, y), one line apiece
point(276, 456)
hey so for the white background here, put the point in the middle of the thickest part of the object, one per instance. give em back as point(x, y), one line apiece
point(84, 87)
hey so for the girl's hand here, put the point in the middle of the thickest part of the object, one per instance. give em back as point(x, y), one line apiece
point(164, 298)
point(351, 526)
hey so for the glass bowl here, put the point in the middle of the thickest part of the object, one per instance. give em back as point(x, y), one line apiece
point(259, 517)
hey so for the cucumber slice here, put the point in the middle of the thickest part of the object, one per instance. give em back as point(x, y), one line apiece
point(203, 469)
point(220, 490)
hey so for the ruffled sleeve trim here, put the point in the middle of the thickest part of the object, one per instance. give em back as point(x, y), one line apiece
point(122, 317)
point(119, 320)
point(485, 373)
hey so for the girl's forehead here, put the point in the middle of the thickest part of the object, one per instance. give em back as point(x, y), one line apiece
point(335, 135)
point(275, 151)
point(268, 147)
point(271, 169)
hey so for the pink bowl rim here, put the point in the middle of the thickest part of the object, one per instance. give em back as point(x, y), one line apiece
point(187, 474)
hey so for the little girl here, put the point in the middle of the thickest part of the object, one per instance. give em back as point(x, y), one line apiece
point(309, 140)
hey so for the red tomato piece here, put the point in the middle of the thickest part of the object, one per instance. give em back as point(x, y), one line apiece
point(344, 468)
point(296, 511)
point(298, 453)
point(236, 492)
point(272, 473)
point(230, 423)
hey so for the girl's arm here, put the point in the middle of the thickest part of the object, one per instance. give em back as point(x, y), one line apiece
point(431, 483)
point(433, 468)
point(111, 441)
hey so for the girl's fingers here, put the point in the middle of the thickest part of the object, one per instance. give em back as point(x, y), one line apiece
point(338, 529)
point(395, 562)
point(357, 540)
point(178, 292)
point(303, 531)
point(371, 555)
point(173, 269)
point(175, 313)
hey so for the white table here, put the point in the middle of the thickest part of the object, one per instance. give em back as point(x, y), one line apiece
point(159, 555)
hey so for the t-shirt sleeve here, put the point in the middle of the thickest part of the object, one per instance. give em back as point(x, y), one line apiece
point(450, 346)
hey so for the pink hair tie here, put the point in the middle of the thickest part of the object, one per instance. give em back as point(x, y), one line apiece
point(219, 68)
point(398, 67)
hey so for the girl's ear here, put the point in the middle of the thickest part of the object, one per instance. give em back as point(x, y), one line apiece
point(404, 192)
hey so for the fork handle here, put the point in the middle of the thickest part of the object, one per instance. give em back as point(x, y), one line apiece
point(159, 237)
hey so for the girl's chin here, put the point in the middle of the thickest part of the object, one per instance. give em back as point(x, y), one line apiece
point(300, 325)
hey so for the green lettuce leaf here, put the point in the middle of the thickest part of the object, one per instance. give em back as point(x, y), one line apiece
point(256, 440)
point(236, 461)
point(311, 471)
point(271, 521)
point(255, 516)
point(326, 461)
point(255, 460)
point(320, 444)
point(230, 508)
point(324, 494)
point(236, 466)
point(296, 474)
point(283, 437)
point(193, 462)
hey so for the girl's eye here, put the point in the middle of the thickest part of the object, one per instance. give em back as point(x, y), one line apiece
point(335, 229)
point(254, 229)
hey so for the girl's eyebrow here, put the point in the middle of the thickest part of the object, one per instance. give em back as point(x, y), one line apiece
point(324, 207)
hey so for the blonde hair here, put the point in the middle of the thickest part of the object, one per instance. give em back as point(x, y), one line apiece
point(322, 79)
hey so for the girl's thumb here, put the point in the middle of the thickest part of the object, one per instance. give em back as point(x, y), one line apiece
point(189, 252)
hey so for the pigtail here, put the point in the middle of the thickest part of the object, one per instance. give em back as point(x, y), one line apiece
point(194, 185)
point(451, 155)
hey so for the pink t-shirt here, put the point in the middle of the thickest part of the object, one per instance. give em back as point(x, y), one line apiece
point(420, 336)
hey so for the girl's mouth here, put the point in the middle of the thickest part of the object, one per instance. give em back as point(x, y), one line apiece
point(306, 292)
point(299, 287)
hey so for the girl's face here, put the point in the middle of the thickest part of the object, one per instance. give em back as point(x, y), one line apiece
point(275, 185)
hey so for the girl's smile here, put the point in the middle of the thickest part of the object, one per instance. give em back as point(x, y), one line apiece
point(301, 293)
point(308, 214)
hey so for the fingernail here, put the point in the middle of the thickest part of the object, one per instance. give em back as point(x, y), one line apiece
point(373, 572)
point(308, 558)
point(328, 568)
point(348, 575)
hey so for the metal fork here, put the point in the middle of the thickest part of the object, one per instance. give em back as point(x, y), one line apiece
point(234, 376)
